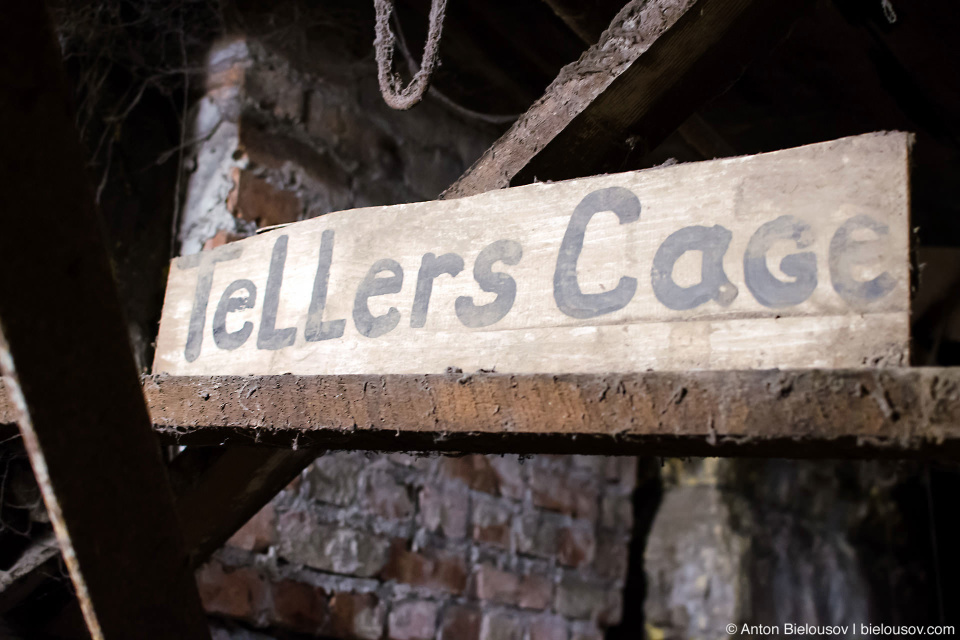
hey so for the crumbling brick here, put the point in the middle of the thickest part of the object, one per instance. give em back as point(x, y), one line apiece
point(235, 592)
point(461, 623)
point(499, 625)
point(491, 584)
point(413, 620)
point(575, 546)
point(356, 616)
point(330, 547)
point(297, 606)
point(259, 533)
point(444, 510)
point(536, 592)
point(432, 569)
point(549, 628)
point(492, 523)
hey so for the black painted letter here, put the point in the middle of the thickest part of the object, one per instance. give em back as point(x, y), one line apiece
point(846, 253)
point(430, 267)
point(475, 316)
point(230, 340)
point(317, 329)
point(207, 261)
point(368, 324)
point(802, 267)
point(713, 285)
point(269, 337)
point(566, 289)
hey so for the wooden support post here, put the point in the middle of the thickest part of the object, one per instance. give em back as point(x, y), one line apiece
point(658, 63)
point(68, 365)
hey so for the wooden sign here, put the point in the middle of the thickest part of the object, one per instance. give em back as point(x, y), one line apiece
point(798, 258)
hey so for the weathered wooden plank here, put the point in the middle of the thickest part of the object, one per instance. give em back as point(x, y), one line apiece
point(659, 61)
point(588, 20)
point(68, 366)
point(898, 412)
point(576, 292)
point(895, 412)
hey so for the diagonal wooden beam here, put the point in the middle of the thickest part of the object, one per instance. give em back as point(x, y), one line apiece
point(68, 366)
point(658, 63)
point(218, 489)
point(588, 20)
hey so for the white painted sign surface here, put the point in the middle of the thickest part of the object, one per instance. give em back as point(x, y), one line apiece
point(798, 258)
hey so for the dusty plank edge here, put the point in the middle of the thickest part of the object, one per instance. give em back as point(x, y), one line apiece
point(894, 412)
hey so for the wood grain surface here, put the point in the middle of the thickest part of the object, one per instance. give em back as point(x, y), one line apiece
point(797, 258)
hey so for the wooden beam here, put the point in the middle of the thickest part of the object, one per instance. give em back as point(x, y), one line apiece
point(657, 64)
point(68, 365)
point(32, 568)
point(895, 412)
point(218, 489)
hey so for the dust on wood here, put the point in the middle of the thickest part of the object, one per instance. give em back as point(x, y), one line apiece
point(798, 258)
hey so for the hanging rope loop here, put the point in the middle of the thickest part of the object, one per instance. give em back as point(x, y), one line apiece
point(391, 85)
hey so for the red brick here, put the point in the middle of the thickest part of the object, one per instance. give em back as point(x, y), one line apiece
point(386, 496)
point(538, 534)
point(259, 533)
point(444, 510)
point(548, 628)
point(237, 593)
point(413, 620)
point(616, 512)
point(612, 556)
point(536, 592)
point(492, 523)
point(494, 585)
point(461, 623)
point(437, 570)
point(509, 476)
point(357, 616)
point(475, 471)
point(501, 626)
point(299, 607)
point(257, 200)
point(575, 546)
point(552, 491)
point(221, 238)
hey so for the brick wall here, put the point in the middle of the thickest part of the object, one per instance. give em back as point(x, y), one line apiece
point(417, 548)
point(387, 546)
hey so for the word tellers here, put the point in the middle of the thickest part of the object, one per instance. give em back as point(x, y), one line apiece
point(794, 258)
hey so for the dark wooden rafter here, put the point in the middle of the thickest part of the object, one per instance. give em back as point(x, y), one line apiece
point(588, 20)
point(656, 64)
point(69, 367)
